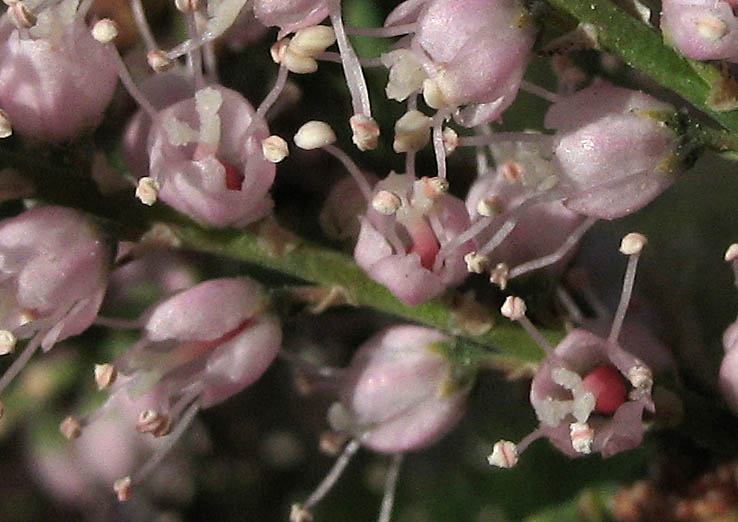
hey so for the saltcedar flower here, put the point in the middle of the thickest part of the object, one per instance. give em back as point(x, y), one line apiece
point(614, 151)
point(398, 243)
point(701, 29)
point(399, 394)
point(473, 53)
point(55, 78)
point(217, 173)
point(54, 265)
point(589, 394)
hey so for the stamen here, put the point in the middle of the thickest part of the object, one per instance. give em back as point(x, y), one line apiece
point(476, 263)
point(390, 486)
point(273, 95)
point(386, 203)
point(499, 275)
point(274, 148)
point(731, 254)
point(147, 190)
point(540, 91)
point(151, 421)
point(351, 67)
point(582, 437)
point(143, 25)
point(352, 168)
point(105, 31)
point(314, 135)
point(7, 342)
point(514, 308)
point(450, 140)
point(631, 245)
point(122, 488)
point(21, 361)
point(438, 145)
point(71, 428)
point(208, 102)
point(6, 128)
point(365, 132)
point(105, 375)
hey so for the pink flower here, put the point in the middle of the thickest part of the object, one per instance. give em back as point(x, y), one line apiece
point(55, 78)
point(701, 29)
point(54, 267)
point(399, 249)
point(614, 152)
point(290, 15)
point(400, 393)
point(218, 173)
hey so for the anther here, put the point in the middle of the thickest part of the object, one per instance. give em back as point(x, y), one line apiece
point(21, 16)
point(300, 514)
point(105, 31)
point(633, 243)
point(513, 308)
point(435, 187)
point(512, 171)
point(450, 140)
point(122, 488)
point(412, 132)
point(314, 135)
point(8, 341)
point(105, 375)
point(499, 275)
point(476, 263)
point(386, 203)
point(732, 253)
point(312, 41)
point(582, 437)
point(147, 190)
point(504, 454)
point(275, 149)
point(365, 132)
point(6, 129)
point(158, 60)
point(490, 206)
point(151, 421)
point(70, 428)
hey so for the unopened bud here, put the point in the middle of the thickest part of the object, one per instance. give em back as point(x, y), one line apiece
point(105, 31)
point(6, 129)
point(386, 203)
point(504, 454)
point(21, 16)
point(275, 149)
point(450, 140)
point(476, 263)
point(582, 437)
point(105, 375)
point(499, 275)
point(187, 6)
point(490, 206)
point(158, 60)
point(151, 421)
point(122, 488)
point(7, 342)
point(366, 132)
point(513, 308)
point(70, 428)
point(732, 253)
point(148, 190)
point(412, 132)
point(312, 41)
point(314, 135)
point(633, 243)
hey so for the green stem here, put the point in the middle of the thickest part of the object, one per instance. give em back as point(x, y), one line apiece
point(642, 47)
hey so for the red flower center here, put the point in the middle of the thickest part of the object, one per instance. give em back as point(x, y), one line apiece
point(608, 386)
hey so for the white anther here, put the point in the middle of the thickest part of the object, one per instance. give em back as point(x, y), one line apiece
point(147, 190)
point(711, 27)
point(365, 132)
point(476, 263)
point(732, 253)
point(158, 60)
point(314, 135)
point(70, 428)
point(21, 16)
point(640, 377)
point(514, 308)
point(300, 514)
point(490, 206)
point(151, 421)
point(298, 63)
point(6, 128)
point(633, 243)
point(122, 488)
point(312, 41)
point(434, 187)
point(504, 454)
point(275, 149)
point(499, 274)
point(450, 140)
point(512, 171)
point(279, 49)
point(432, 93)
point(386, 203)
point(412, 132)
point(105, 31)
point(406, 73)
point(7, 342)
point(105, 375)
point(582, 437)
point(187, 6)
